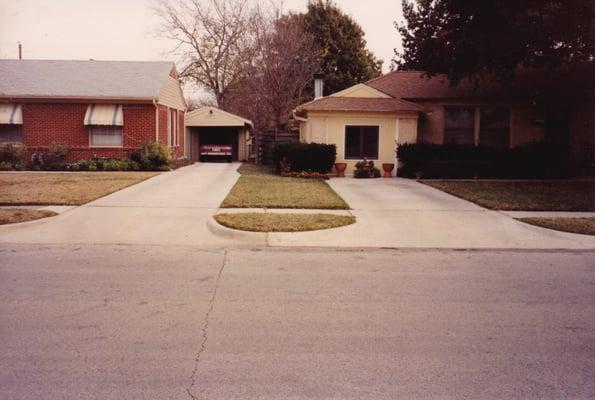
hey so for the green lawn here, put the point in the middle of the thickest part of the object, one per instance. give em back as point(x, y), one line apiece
point(585, 226)
point(523, 195)
point(259, 188)
point(258, 222)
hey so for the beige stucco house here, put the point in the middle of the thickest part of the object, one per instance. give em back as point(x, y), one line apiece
point(368, 120)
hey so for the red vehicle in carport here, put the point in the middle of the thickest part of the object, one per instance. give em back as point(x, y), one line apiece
point(215, 152)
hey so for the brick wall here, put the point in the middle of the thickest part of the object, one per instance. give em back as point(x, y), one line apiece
point(63, 123)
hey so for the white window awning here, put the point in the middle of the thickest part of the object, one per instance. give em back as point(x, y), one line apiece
point(11, 113)
point(104, 114)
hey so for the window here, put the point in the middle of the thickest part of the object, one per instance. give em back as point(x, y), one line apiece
point(106, 135)
point(494, 128)
point(459, 126)
point(169, 126)
point(174, 119)
point(361, 142)
point(11, 133)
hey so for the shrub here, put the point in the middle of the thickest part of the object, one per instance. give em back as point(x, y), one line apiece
point(366, 169)
point(83, 165)
point(298, 157)
point(115, 165)
point(537, 160)
point(55, 156)
point(153, 156)
point(11, 156)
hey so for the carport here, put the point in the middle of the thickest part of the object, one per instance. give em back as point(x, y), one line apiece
point(212, 126)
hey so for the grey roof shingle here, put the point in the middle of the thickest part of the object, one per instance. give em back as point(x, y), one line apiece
point(83, 79)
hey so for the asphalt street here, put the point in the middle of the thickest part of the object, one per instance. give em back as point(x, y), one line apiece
point(175, 322)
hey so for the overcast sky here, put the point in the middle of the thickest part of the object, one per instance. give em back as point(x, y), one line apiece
point(125, 29)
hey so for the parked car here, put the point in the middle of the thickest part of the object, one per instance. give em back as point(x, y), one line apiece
point(216, 151)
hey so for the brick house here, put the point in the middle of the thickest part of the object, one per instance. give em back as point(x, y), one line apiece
point(96, 108)
point(368, 120)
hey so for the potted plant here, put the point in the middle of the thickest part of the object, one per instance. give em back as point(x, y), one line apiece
point(388, 169)
point(340, 167)
point(366, 169)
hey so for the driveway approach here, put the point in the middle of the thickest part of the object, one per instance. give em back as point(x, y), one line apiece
point(406, 214)
point(169, 209)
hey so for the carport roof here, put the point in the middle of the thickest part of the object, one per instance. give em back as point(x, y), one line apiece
point(212, 116)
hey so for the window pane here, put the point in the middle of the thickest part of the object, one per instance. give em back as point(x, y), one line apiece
point(494, 127)
point(370, 142)
point(11, 133)
point(352, 142)
point(459, 126)
point(110, 136)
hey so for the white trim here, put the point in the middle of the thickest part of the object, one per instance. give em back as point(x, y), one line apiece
point(156, 120)
point(397, 134)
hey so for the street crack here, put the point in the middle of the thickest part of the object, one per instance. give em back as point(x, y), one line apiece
point(205, 330)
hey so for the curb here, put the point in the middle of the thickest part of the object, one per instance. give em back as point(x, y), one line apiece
point(258, 238)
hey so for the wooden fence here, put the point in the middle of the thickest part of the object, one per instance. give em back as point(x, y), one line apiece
point(264, 142)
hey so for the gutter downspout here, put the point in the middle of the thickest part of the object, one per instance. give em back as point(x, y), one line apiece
point(156, 120)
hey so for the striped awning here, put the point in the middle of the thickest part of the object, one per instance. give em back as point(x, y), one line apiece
point(11, 113)
point(104, 114)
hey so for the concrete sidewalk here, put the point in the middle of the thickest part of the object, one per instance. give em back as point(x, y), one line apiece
point(168, 209)
point(403, 213)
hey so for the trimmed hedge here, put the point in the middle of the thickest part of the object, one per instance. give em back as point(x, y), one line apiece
point(304, 157)
point(426, 160)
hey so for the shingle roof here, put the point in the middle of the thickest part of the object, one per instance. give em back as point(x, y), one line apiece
point(414, 85)
point(83, 79)
point(364, 104)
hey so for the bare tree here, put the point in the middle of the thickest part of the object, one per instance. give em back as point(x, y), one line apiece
point(283, 63)
point(212, 40)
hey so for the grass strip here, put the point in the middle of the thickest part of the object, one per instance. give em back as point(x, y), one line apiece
point(14, 215)
point(585, 226)
point(259, 222)
point(523, 195)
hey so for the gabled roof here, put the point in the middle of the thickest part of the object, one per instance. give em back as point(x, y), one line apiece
point(69, 79)
point(364, 104)
point(212, 116)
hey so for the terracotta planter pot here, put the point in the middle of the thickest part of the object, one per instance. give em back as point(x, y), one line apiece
point(388, 169)
point(340, 167)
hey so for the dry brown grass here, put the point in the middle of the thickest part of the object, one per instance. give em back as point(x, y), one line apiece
point(14, 215)
point(63, 188)
point(259, 222)
point(585, 226)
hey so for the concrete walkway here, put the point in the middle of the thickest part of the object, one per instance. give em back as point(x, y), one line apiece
point(169, 209)
point(407, 214)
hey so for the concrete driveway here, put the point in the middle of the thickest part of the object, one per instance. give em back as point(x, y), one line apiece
point(406, 214)
point(171, 208)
